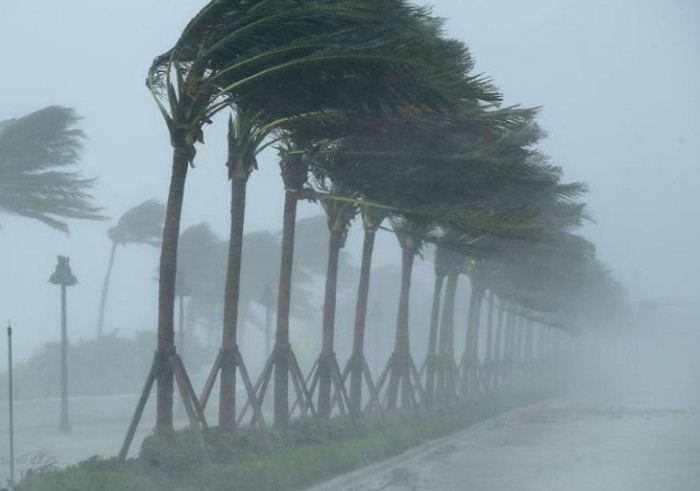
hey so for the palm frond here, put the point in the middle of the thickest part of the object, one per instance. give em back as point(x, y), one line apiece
point(142, 224)
point(32, 148)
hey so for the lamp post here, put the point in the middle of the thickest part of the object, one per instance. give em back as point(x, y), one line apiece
point(64, 277)
point(11, 404)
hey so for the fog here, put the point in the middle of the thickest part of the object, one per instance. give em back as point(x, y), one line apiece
point(617, 83)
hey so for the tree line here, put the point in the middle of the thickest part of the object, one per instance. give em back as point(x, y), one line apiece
point(379, 118)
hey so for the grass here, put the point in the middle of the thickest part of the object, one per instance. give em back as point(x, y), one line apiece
point(284, 459)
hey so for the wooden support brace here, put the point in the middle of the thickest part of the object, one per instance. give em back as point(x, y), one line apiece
point(143, 399)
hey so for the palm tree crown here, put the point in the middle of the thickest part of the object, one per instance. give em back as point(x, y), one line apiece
point(32, 149)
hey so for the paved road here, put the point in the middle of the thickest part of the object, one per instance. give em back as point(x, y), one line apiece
point(633, 438)
point(98, 427)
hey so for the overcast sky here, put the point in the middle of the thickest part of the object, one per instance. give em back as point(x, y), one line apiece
point(618, 82)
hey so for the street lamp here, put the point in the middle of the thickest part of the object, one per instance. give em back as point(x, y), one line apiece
point(64, 277)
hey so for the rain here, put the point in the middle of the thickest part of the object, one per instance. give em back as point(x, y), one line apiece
point(328, 244)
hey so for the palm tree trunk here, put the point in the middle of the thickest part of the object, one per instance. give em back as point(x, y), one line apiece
point(166, 290)
point(281, 394)
point(489, 343)
point(402, 347)
point(358, 343)
point(528, 342)
point(229, 338)
point(431, 357)
point(476, 332)
point(498, 343)
point(515, 356)
point(489, 326)
point(268, 325)
point(335, 243)
point(402, 340)
point(508, 348)
point(446, 341)
point(468, 356)
point(181, 325)
point(542, 344)
point(519, 343)
point(105, 288)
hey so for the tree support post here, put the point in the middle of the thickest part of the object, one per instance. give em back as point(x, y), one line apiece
point(162, 361)
point(232, 356)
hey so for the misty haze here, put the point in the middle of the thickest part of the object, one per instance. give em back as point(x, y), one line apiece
point(350, 245)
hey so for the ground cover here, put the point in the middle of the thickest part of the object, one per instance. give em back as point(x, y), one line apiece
point(305, 453)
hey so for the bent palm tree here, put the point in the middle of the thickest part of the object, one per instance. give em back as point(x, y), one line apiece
point(446, 261)
point(142, 224)
point(372, 219)
point(340, 215)
point(400, 368)
point(32, 149)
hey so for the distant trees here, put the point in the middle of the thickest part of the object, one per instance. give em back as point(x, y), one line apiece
point(97, 367)
point(142, 224)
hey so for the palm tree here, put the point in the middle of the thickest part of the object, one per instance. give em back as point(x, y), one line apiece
point(446, 260)
point(339, 215)
point(372, 218)
point(470, 358)
point(142, 224)
point(491, 336)
point(33, 150)
point(446, 368)
point(400, 368)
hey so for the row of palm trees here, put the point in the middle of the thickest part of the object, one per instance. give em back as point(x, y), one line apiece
point(383, 111)
point(300, 64)
point(375, 115)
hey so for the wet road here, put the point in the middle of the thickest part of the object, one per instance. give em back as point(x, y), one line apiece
point(633, 438)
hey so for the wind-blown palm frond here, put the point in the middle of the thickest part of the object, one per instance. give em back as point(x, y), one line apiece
point(31, 149)
point(290, 60)
point(142, 224)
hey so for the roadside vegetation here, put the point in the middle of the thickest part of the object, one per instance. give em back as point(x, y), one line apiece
point(248, 459)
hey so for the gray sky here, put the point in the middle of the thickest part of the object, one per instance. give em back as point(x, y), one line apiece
point(618, 82)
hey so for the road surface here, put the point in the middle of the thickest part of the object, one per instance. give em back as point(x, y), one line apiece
point(638, 437)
